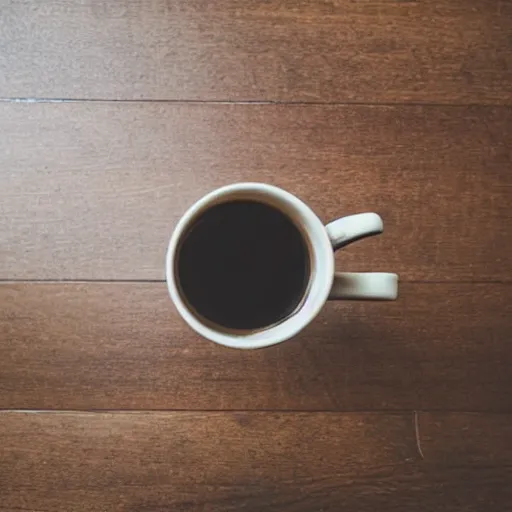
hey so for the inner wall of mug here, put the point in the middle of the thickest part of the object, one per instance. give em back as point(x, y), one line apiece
point(262, 199)
point(321, 264)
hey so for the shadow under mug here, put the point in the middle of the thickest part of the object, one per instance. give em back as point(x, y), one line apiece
point(323, 282)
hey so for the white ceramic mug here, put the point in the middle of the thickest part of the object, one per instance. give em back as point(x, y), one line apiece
point(324, 282)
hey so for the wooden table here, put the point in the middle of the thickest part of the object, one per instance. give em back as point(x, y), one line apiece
point(116, 116)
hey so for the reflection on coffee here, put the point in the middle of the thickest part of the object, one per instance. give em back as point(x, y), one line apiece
point(243, 265)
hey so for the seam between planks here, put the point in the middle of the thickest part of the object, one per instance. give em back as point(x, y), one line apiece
point(28, 100)
point(377, 412)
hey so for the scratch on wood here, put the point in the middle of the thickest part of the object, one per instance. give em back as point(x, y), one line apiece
point(417, 431)
point(132, 192)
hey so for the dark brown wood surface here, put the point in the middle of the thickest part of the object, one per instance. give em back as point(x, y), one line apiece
point(122, 346)
point(93, 190)
point(253, 461)
point(108, 402)
point(448, 51)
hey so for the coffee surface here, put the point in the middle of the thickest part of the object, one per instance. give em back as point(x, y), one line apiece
point(243, 265)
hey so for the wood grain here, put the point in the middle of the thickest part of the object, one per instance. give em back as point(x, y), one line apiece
point(465, 439)
point(241, 461)
point(93, 191)
point(450, 51)
point(123, 346)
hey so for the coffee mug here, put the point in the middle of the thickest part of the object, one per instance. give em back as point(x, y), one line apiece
point(250, 265)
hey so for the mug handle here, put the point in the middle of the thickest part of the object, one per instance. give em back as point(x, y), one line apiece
point(364, 286)
point(355, 285)
point(349, 229)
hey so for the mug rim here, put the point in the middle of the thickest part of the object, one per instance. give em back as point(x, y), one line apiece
point(320, 281)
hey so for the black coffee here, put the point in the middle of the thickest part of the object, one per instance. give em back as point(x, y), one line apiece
point(243, 265)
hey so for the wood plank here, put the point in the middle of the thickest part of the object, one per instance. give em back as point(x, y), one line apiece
point(93, 191)
point(469, 439)
point(236, 461)
point(123, 346)
point(379, 51)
